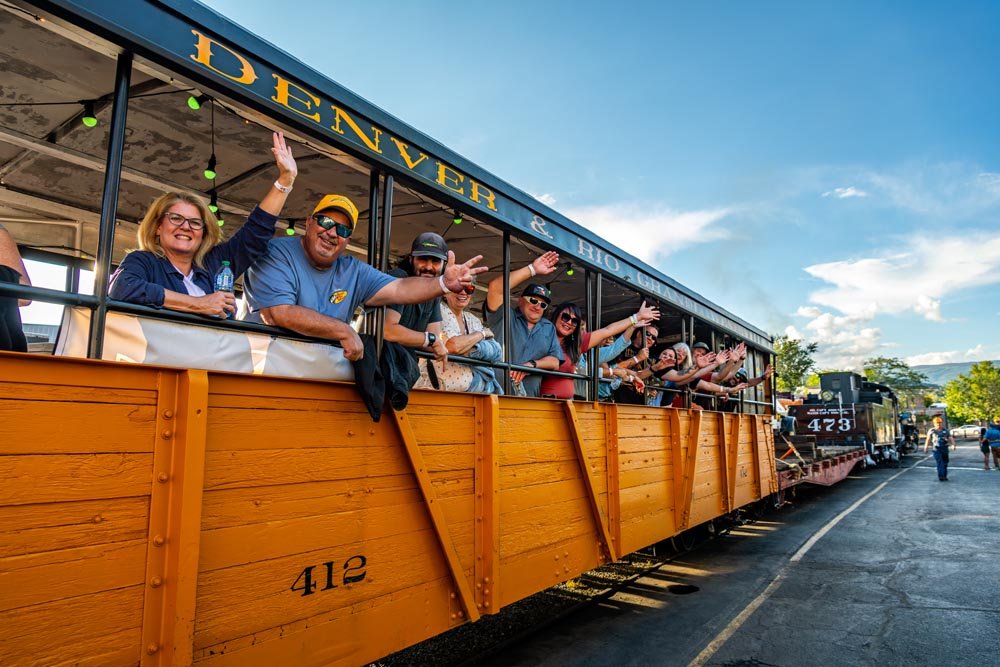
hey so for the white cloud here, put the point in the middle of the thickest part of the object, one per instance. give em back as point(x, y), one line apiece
point(948, 190)
point(650, 231)
point(845, 193)
point(845, 341)
point(976, 352)
point(914, 278)
point(928, 307)
point(808, 311)
point(546, 199)
point(933, 358)
point(793, 333)
point(990, 182)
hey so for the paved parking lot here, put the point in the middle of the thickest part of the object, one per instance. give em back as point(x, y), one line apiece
point(909, 576)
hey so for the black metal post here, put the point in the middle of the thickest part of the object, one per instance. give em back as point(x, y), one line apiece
point(507, 313)
point(383, 254)
point(109, 204)
point(594, 322)
point(374, 222)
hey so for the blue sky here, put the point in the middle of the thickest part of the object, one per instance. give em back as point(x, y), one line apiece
point(832, 171)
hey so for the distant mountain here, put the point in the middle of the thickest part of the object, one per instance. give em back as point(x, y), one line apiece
point(942, 374)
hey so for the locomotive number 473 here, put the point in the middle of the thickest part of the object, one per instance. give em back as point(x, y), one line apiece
point(830, 425)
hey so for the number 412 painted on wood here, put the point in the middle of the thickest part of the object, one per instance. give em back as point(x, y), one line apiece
point(354, 571)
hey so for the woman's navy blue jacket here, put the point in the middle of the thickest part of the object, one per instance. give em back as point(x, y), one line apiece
point(143, 275)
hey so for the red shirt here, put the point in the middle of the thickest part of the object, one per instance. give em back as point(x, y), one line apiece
point(564, 387)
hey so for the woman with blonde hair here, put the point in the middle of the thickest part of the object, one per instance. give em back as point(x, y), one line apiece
point(180, 247)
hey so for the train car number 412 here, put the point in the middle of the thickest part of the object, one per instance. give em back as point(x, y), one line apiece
point(353, 572)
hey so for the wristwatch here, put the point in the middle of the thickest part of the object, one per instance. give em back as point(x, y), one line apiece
point(532, 363)
point(431, 339)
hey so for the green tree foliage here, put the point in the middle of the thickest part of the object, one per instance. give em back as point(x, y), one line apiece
point(975, 397)
point(897, 374)
point(793, 362)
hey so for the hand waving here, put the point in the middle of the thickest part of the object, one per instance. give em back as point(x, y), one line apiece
point(458, 276)
point(647, 314)
point(546, 263)
point(287, 169)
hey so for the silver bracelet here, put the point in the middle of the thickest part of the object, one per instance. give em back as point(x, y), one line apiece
point(282, 188)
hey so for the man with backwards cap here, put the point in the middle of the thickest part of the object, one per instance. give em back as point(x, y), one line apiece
point(307, 283)
point(419, 324)
point(534, 341)
point(941, 437)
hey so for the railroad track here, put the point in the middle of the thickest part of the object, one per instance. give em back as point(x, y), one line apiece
point(475, 643)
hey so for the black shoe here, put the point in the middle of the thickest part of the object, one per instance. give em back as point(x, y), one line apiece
point(942, 479)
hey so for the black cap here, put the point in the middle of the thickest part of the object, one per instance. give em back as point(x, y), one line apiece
point(541, 291)
point(701, 345)
point(430, 244)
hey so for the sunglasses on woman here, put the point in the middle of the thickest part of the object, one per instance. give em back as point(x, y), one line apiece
point(537, 302)
point(328, 223)
point(569, 319)
point(469, 289)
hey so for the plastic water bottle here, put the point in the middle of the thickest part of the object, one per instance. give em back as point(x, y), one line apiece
point(224, 281)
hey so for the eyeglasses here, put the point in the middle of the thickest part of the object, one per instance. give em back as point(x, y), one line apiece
point(468, 289)
point(651, 336)
point(176, 219)
point(328, 223)
point(569, 319)
point(537, 302)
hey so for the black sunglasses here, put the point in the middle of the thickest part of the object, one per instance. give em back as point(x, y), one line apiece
point(569, 319)
point(328, 223)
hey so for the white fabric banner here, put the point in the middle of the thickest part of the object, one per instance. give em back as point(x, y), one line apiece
point(145, 340)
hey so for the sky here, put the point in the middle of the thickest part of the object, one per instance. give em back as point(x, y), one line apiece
point(830, 171)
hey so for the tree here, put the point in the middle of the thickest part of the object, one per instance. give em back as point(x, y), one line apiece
point(793, 362)
point(896, 374)
point(975, 397)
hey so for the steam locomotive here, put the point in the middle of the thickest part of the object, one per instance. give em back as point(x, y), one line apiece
point(850, 411)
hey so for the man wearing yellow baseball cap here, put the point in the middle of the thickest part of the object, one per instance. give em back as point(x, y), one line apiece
point(941, 437)
point(309, 285)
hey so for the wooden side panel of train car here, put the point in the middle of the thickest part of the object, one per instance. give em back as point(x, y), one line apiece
point(179, 517)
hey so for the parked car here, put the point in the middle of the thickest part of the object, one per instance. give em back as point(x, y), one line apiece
point(967, 431)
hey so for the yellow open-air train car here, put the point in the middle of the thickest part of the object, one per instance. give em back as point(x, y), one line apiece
point(182, 516)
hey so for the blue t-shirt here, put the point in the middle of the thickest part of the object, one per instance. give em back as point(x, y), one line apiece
point(285, 277)
point(528, 344)
point(992, 435)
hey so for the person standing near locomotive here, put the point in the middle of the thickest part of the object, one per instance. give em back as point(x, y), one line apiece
point(991, 439)
point(942, 439)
